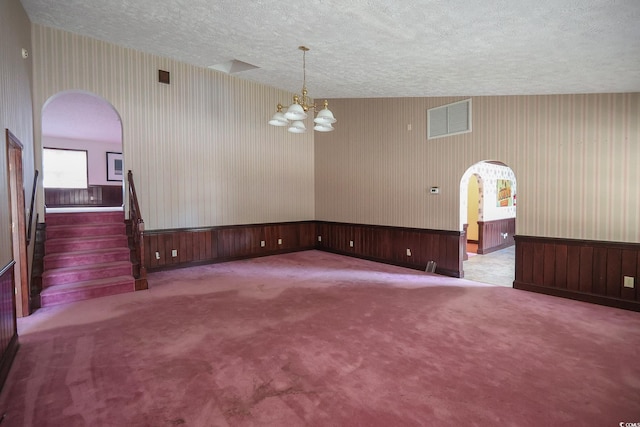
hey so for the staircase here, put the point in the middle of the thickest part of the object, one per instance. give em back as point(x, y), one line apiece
point(86, 256)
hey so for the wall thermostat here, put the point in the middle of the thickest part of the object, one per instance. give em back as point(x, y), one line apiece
point(435, 190)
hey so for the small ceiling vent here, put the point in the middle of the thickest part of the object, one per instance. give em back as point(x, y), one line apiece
point(233, 66)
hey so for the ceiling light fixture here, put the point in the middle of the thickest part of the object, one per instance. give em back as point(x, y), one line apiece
point(294, 114)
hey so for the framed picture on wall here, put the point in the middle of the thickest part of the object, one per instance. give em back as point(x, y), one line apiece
point(114, 166)
point(505, 197)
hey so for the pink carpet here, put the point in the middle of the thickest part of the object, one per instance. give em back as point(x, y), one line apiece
point(316, 339)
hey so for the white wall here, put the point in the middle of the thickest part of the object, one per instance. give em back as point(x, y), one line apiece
point(575, 157)
point(200, 149)
point(96, 155)
point(15, 111)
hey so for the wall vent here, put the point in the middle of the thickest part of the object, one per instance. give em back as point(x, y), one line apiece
point(164, 77)
point(450, 119)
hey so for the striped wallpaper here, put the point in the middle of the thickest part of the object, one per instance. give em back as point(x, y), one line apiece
point(202, 153)
point(200, 149)
point(15, 114)
point(575, 158)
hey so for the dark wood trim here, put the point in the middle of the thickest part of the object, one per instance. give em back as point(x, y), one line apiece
point(579, 242)
point(386, 244)
point(93, 195)
point(8, 356)
point(579, 296)
point(136, 237)
point(586, 270)
point(19, 228)
point(207, 245)
point(37, 264)
point(32, 205)
point(8, 324)
point(6, 268)
point(396, 228)
point(219, 227)
point(491, 235)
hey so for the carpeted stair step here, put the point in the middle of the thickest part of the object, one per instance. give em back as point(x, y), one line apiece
point(82, 230)
point(79, 291)
point(66, 275)
point(83, 218)
point(77, 258)
point(84, 243)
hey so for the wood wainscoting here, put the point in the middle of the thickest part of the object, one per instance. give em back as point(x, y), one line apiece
point(495, 235)
point(94, 195)
point(373, 242)
point(225, 243)
point(8, 326)
point(585, 270)
point(391, 245)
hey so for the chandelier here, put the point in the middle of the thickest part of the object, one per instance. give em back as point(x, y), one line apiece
point(294, 114)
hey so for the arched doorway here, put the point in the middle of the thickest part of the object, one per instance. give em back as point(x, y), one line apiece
point(82, 152)
point(488, 214)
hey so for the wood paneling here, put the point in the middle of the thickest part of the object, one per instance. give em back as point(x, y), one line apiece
point(94, 195)
point(8, 330)
point(389, 245)
point(377, 243)
point(586, 270)
point(490, 235)
point(223, 243)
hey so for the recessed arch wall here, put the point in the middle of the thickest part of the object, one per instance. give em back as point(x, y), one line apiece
point(489, 171)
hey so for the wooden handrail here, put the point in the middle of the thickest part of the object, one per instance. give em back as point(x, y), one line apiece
point(33, 201)
point(137, 234)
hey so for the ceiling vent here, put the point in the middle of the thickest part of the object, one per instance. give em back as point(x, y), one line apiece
point(233, 66)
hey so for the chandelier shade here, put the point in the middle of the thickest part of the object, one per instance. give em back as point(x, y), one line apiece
point(323, 127)
point(297, 111)
point(278, 118)
point(325, 116)
point(297, 127)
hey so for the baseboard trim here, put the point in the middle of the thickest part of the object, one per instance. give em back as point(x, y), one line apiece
point(578, 296)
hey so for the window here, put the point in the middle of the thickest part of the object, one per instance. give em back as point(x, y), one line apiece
point(64, 168)
point(451, 119)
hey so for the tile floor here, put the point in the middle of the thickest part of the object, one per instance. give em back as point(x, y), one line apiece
point(496, 268)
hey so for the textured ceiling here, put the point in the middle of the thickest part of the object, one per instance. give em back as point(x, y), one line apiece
point(381, 48)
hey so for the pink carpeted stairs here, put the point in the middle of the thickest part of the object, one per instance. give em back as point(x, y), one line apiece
point(86, 256)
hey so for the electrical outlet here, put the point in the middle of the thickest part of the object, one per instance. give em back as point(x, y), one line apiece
point(629, 282)
point(157, 255)
point(279, 241)
point(350, 243)
point(319, 238)
point(174, 253)
point(262, 243)
point(408, 252)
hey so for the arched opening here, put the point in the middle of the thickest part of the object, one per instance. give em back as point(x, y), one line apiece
point(82, 153)
point(488, 214)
